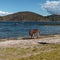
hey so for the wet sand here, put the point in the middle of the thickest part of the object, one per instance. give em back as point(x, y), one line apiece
point(26, 41)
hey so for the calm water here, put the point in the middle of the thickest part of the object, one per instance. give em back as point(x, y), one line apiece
point(21, 29)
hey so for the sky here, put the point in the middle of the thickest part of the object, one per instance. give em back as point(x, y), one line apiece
point(42, 7)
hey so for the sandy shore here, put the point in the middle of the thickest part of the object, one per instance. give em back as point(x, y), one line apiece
point(25, 42)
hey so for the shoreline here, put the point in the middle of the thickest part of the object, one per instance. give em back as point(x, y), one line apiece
point(28, 37)
point(51, 39)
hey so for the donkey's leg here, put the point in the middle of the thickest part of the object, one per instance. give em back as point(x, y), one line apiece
point(38, 34)
point(31, 36)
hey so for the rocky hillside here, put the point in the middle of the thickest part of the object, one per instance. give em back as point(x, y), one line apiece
point(29, 16)
point(55, 18)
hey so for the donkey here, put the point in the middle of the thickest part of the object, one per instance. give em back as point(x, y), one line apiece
point(33, 32)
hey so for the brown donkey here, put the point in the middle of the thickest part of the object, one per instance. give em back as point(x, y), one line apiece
point(33, 32)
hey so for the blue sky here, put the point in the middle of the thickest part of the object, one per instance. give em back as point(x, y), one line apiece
point(37, 6)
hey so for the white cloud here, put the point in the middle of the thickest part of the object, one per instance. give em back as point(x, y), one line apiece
point(2, 13)
point(52, 7)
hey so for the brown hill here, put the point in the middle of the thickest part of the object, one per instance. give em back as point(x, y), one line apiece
point(55, 18)
point(23, 16)
point(29, 16)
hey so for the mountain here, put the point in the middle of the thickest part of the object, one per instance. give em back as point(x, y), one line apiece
point(22, 16)
point(55, 18)
point(29, 16)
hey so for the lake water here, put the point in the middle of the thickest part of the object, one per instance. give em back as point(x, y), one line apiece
point(21, 29)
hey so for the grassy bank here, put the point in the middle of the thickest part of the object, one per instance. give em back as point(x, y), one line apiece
point(36, 52)
point(52, 55)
